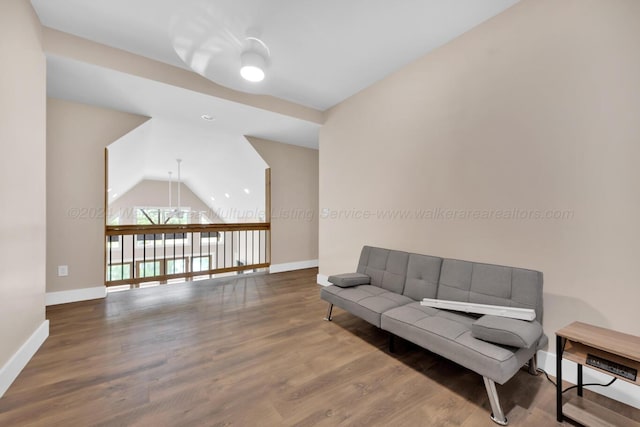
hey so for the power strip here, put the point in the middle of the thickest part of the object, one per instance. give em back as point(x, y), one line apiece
point(612, 367)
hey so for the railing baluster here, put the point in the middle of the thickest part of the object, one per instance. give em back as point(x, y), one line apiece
point(133, 256)
point(144, 256)
point(211, 267)
point(109, 268)
point(121, 240)
point(199, 251)
point(138, 259)
point(155, 241)
point(164, 254)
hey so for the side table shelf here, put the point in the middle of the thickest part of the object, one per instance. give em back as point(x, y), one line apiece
point(577, 340)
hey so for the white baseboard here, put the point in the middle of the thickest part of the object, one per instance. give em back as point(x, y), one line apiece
point(10, 371)
point(290, 266)
point(323, 280)
point(63, 297)
point(621, 391)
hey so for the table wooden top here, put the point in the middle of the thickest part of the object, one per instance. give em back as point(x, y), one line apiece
point(604, 339)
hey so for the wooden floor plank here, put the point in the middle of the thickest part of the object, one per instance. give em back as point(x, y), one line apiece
point(251, 351)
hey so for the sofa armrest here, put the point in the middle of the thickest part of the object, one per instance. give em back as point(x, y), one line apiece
point(347, 280)
point(506, 331)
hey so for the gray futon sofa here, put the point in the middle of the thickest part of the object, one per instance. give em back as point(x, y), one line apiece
point(387, 289)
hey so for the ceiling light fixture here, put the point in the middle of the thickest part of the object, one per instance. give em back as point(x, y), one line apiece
point(253, 65)
point(179, 208)
point(254, 60)
point(246, 190)
point(177, 212)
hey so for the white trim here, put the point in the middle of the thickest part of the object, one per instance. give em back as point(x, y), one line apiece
point(621, 391)
point(63, 297)
point(323, 280)
point(290, 266)
point(20, 358)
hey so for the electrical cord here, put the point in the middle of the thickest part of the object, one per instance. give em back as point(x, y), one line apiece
point(588, 384)
point(575, 386)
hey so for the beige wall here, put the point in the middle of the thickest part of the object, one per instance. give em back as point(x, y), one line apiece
point(77, 135)
point(152, 193)
point(294, 200)
point(22, 176)
point(538, 109)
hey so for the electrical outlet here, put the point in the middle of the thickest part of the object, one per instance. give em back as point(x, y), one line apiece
point(63, 270)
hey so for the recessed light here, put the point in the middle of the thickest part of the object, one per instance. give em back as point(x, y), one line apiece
point(115, 195)
point(108, 190)
point(207, 117)
point(246, 190)
point(213, 198)
point(227, 195)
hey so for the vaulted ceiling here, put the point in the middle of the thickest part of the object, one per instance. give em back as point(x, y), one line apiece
point(320, 53)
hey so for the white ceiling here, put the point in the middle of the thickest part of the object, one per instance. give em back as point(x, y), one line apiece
point(214, 164)
point(322, 52)
point(90, 84)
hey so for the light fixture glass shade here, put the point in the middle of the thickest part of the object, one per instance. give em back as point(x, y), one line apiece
point(253, 65)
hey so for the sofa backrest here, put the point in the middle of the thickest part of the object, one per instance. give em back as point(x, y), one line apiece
point(491, 284)
point(387, 268)
point(423, 274)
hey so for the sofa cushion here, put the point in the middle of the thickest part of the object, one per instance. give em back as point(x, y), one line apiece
point(387, 268)
point(365, 301)
point(506, 331)
point(449, 335)
point(491, 284)
point(347, 280)
point(423, 272)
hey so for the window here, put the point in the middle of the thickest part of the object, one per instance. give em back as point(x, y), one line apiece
point(201, 263)
point(176, 238)
point(176, 266)
point(113, 242)
point(119, 271)
point(149, 269)
point(148, 239)
point(211, 237)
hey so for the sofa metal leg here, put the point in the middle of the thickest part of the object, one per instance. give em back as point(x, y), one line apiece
point(329, 310)
point(533, 365)
point(497, 416)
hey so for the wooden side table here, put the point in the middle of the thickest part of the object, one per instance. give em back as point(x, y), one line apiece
point(621, 352)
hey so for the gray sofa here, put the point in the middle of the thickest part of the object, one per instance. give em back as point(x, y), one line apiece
point(387, 289)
